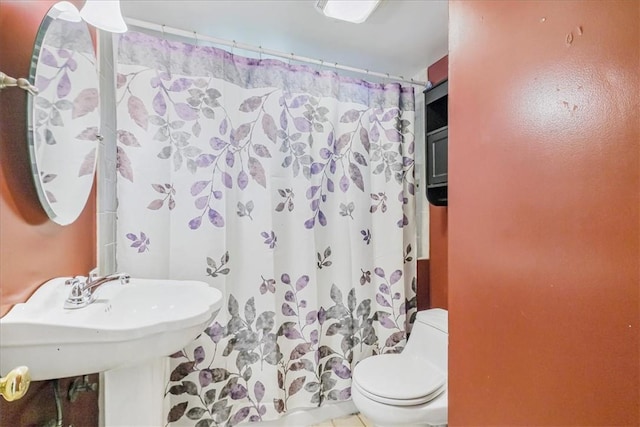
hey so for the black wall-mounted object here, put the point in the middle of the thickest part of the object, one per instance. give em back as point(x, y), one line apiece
point(437, 136)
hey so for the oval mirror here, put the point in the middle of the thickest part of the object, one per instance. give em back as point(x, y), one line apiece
point(64, 118)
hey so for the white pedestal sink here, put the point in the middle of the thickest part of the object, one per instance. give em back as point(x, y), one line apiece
point(127, 325)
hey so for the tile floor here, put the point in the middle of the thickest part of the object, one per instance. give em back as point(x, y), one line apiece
point(356, 420)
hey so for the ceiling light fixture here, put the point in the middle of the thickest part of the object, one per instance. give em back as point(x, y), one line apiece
point(356, 11)
point(104, 14)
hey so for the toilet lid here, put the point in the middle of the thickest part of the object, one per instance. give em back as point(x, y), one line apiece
point(399, 379)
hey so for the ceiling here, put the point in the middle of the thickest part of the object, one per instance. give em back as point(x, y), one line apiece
point(401, 37)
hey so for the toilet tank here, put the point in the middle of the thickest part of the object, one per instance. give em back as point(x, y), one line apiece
point(430, 337)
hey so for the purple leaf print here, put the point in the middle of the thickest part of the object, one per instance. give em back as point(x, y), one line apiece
point(257, 172)
point(180, 85)
point(302, 282)
point(243, 131)
point(205, 377)
point(47, 58)
point(289, 296)
point(204, 160)
point(312, 191)
point(389, 115)
point(123, 164)
point(283, 119)
point(217, 144)
point(138, 112)
point(302, 124)
point(344, 394)
point(64, 86)
point(215, 218)
point(243, 180)
point(296, 385)
point(72, 64)
point(42, 82)
point(298, 101)
point(86, 101)
point(215, 332)
point(290, 332)
point(322, 315)
point(316, 168)
point(325, 153)
point(285, 279)
point(185, 111)
point(243, 413)
point(393, 135)
point(223, 127)
point(350, 116)
point(322, 219)
point(88, 164)
point(308, 224)
point(195, 223)
point(360, 159)
point(386, 321)
point(121, 80)
point(382, 300)
point(384, 288)
point(258, 390)
point(374, 134)
point(342, 371)
point(330, 185)
point(356, 176)
point(127, 138)
point(155, 205)
point(395, 276)
point(261, 150)
point(379, 272)
point(364, 139)
point(311, 318)
point(159, 104)
point(227, 181)
point(230, 159)
point(198, 354)
point(250, 104)
point(287, 310)
point(344, 183)
point(202, 202)
point(269, 127)
point(198, 186)
point(342, 142)
point(89, 134)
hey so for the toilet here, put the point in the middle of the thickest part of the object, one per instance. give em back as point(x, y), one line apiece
point(407, 389)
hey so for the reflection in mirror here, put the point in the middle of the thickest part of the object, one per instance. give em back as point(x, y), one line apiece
point(63, 119)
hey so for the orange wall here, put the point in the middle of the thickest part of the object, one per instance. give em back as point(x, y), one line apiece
point(544, 213)
point(32, 248)
point(438, 245)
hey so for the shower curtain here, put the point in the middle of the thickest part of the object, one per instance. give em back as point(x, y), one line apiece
point(290, 190)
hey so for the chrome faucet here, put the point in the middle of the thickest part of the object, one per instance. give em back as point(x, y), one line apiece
point(83, 288)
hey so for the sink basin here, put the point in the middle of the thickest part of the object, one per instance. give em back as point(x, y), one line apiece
point(125, 325)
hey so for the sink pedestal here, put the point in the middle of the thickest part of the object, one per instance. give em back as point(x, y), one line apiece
point(134, 396)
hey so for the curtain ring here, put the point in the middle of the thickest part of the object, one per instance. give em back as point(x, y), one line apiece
point(195, 35)
point(164, 35)
point(260, 53)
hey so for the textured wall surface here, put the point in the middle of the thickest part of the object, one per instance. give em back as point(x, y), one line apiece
point(33, 249)
point(544, 199)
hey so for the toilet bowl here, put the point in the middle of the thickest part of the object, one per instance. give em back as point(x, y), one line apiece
point(407, 389)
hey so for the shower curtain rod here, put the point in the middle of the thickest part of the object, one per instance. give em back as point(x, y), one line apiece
point(259, 49)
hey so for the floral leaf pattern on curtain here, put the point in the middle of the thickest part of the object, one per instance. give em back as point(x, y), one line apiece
point(289, 190)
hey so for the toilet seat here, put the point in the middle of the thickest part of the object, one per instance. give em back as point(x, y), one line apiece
point(400, 380)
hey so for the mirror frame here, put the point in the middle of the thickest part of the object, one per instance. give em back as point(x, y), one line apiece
point(52, 15)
